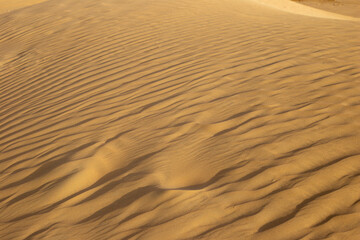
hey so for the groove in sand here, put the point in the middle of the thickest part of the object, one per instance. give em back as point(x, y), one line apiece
point(178, 120)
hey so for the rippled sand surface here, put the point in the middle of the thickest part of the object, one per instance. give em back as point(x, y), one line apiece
point(158, 119)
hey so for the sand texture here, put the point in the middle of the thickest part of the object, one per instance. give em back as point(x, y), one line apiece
point(343, 7)
point(159, 119)
point(10, 5)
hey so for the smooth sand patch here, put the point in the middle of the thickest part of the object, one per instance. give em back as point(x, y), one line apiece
point(296, 8)
point(344, 7)
point(10, 5)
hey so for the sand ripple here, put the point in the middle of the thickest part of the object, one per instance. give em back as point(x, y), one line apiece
point(178, 120)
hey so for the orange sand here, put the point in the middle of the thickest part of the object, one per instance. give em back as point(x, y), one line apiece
point(10, 5)
point(157, 119)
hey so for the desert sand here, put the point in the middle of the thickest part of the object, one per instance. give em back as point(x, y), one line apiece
point(344, 7)
point(158, 119)
point(10, 5)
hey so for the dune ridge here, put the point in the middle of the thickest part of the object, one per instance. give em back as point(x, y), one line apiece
point(343, 7)
point(298, 8)
point(178, 120)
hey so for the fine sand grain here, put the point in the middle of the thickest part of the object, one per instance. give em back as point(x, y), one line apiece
point(10, 5)
point(343, 7)
point(158, 119)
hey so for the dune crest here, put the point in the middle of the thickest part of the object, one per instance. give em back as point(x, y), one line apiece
point(297, 8)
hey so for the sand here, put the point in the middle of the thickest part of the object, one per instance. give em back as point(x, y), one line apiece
point(206, 119)
point(11, 5)
point(344, 7)
point(302, 9)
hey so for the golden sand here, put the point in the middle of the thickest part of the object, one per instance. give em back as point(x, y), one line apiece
point(10, 5)
point(158, 119)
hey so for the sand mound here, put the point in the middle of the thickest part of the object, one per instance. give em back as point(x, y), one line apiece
point(178, 119)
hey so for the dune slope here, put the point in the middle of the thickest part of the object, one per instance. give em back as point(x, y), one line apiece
point(296, 8)
point(344, 7)
point(178, 119)
point(10, 5)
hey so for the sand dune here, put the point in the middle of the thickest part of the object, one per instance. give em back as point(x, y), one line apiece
point(178, 119)
point(296, 8)
point(343, 7)
point(10, 5)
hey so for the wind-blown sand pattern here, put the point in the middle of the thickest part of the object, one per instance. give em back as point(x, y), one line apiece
point(157, 119)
